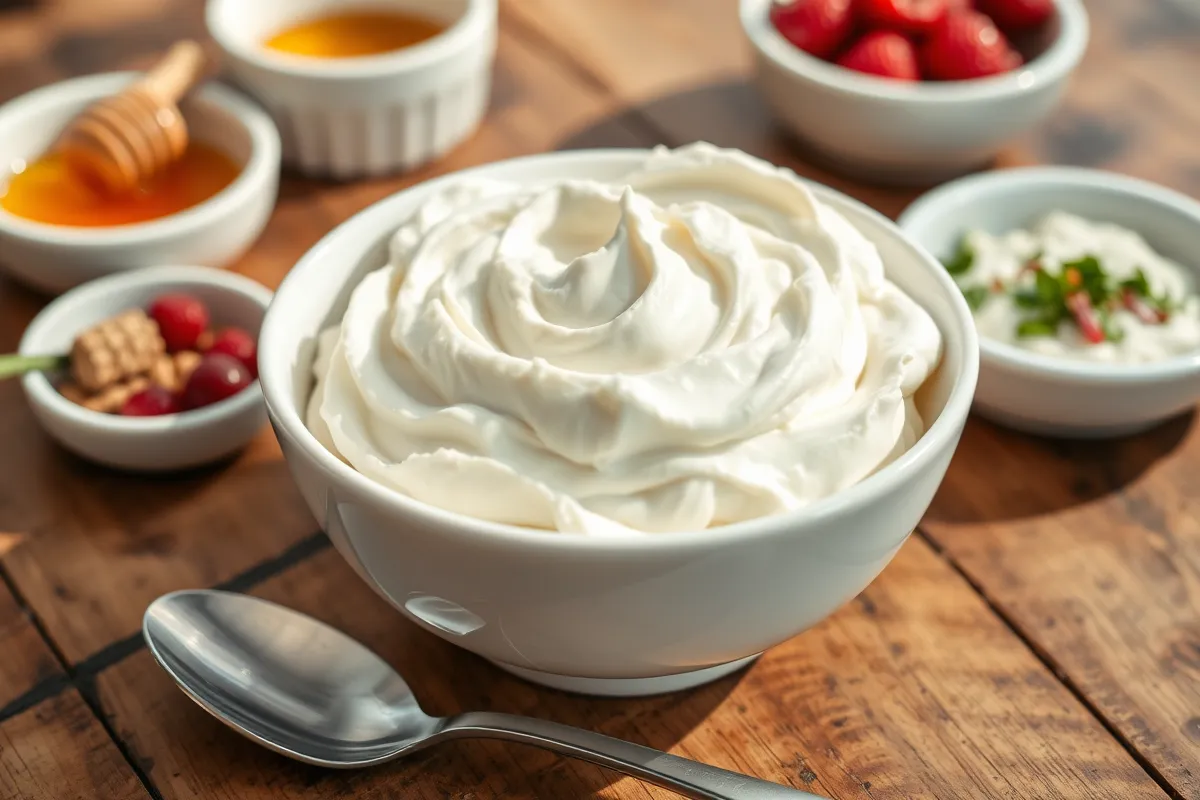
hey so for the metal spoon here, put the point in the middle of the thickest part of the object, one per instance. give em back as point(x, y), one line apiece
point(310, 692)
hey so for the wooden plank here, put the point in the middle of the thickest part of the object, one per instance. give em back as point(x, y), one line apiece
point(1093, 551)
point(98, 545)
point(642, 50)
point(916, 690)
point(683, 71)
point(59, 751)
point(25, 660)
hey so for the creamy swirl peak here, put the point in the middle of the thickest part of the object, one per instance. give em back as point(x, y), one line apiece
point(698, 343)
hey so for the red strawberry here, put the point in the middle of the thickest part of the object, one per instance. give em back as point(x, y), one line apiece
point(954, 6)
point(1017, 15)
point(911, 16)
point(967, 45)
point(819, 27)
point(884, 53)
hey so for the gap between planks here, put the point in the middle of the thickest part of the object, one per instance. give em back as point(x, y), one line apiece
point(1052, 666)
point(82, 676)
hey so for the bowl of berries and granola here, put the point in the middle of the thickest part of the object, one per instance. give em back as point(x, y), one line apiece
point(1083, 286)
point(150, 370)
point(912, 91)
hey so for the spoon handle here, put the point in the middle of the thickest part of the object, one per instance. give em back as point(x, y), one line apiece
point(689, 778)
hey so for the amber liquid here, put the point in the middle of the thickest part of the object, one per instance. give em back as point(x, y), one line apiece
point(350, 34)
point(47, 190)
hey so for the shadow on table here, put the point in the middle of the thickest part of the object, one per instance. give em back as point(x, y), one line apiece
point(728, 114)
point(448, 680)
point(999, 474)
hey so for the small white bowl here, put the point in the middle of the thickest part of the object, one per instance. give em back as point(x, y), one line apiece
point(53, 258)
point(170, 442)
point(627, 615)
point(371, 115)
point(1056, 396)
point(900, 132)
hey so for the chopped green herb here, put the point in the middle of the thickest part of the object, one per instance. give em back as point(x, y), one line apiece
point(1049, 289)
point(1027, 298)
point(1083, 294)
point(1161, 305)
point(962, 260)
point(1037, 327)
point(1112, 331)
point(1137, 284)
point(1086, 274)
point(976, 296)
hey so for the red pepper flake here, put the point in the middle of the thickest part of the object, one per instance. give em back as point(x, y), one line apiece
point(1142, 310)
point(1080, 306)
point(1074, 279)
point(1032, 265)
point(997, 285)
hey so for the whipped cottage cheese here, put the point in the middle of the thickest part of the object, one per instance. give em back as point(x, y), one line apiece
point(999, 261)
point(698, 343)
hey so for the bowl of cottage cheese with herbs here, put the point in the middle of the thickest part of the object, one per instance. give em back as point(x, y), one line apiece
point(618, 420)
point(1071, 287)
point(1083, 288)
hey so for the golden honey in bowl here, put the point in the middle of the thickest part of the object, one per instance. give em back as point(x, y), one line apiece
point(352, 34)
point(48, 190)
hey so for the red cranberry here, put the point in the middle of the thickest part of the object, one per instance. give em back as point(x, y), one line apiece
point(217, 377)
point(152, 402)
point(239, 344)
point(181, 319)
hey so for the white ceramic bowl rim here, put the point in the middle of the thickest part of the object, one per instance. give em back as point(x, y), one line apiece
point(286, 413)
point(264, 156)
point(1013, 357)
point(1054, 63)
point(461, 34)
point(41, 390)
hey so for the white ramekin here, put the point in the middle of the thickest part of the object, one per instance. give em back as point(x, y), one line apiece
point(886, 131)
point(1055, 396)
point(370, 115)
point(623, 616)
point(53, 258)
point(146, 444)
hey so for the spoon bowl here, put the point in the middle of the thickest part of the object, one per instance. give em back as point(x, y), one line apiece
point(285, 680)
point(309, 692)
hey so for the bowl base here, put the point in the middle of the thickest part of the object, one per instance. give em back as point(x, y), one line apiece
point(1065, 431)
point(628, 687)
point(885, 175)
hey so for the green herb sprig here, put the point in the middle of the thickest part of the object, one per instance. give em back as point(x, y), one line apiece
point(1081, 293)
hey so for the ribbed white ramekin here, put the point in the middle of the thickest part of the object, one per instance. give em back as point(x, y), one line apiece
point(351, 117)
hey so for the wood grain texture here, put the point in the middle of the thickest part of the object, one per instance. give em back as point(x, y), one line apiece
point(59, 751)
point(25, 659)
point(1093, 551)
point(915, 690)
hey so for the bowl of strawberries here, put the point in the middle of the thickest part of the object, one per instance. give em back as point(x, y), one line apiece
point(912, 91)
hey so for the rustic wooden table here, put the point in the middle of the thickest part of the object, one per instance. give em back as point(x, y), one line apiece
point(1039, 637)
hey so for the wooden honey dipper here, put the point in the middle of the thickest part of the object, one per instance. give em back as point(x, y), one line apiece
point(125, 139)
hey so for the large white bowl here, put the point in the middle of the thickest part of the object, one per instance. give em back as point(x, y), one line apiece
point(1043, 394)
point(369, 115)
point(213, 233)
point(900, 132)
point(611, 617)
point(146, 444)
